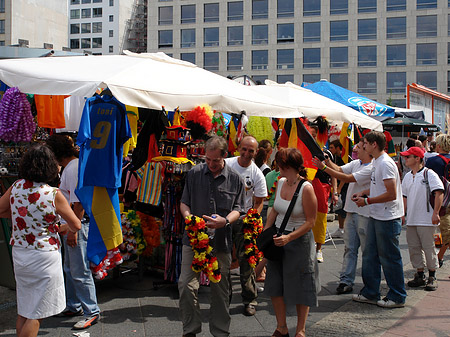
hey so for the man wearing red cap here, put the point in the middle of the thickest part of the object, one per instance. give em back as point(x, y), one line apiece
point(421, 219)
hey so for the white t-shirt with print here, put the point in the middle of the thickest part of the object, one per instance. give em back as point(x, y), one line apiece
point(254, 181)
point(415, 191)
point(384, 168)
point(362, 173)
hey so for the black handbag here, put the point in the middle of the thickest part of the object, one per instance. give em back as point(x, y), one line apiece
point(265, 239)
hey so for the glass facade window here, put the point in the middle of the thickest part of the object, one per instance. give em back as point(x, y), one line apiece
point(311, 58)
point(340, 80)
point(111, 33)
point(285, 33)
point(426, 26)
point(235, 11)
point(235, 36)
point(367, 29)
point(260, 9)
point(338, 7)
point(111, 4)
point(96, 27)
point(398, 102)
point(311, 7)
point(72, 2)
point(396, 28)
point(285, 58)
point(427, 78)
point(367, 6)
point(165, 15)
point(448, 76)
point(311, 78)
point(2, 43)
point(338, 57)
point(187, 38)
point(97, 1)
point(396, 55)
point(339, 30)
point(285, 78)
point(259, 79)
point(97, 13)
point(86, 43)
point(2, 7)
point(96, 42)
point(426, 4)
point(211, 37)
point(311, 32)
point(260, 59)
point(260, 34)
point(285, 8)
point(165, 39)
point(75, 14)
point(74, 43)
point(189, 57)
point(74, 28)
point(367, 83)
point(448, 25)
point(85, 14)
point(426, 54)
point(367, 56)
point(85, 1)
point(396, 83)
point(111, 19)
point(111, 49)
point(85, 28)
point(235, 60)
point(395, 5)
point(211, 12)
point(211, 61)
point(448, 53)
point(2, 26)
point(187, 13)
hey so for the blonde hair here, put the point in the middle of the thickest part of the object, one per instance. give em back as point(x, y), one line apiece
point(443, 141)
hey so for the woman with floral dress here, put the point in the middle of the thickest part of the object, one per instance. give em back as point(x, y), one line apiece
point(35, 209)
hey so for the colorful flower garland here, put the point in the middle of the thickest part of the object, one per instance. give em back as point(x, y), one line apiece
point(150, 228)
point(112, 259)
point(253, 226)
point(203, 259)
point(133, 238)
point(273, 188)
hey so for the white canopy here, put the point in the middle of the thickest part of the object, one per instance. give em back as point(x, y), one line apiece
point(148, 80)
point(313, 105)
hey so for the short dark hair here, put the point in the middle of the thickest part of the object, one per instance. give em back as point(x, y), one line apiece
point(62, 146)
point(376, 137)
point(422, 138)
point(216, 142)
point(291, 157)
point(262, 155)
point(410, 142)
point(39, 164)
point(337, 144)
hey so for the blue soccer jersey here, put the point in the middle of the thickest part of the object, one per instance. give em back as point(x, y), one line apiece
point(104, 128)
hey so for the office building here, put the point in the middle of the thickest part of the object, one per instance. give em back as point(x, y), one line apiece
point(371, 47)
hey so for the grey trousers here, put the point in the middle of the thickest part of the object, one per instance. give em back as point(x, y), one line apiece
point(188, 285)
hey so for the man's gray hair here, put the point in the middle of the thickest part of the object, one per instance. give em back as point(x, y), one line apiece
point(217, 143)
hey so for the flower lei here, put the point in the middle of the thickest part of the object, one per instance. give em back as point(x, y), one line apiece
point(273, 188)
point(203, 259)
point(133, 238)
point(150, 228)
point(112, 259)
point(253, 226)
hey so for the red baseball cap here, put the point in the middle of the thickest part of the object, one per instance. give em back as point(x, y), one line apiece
point(413, 150)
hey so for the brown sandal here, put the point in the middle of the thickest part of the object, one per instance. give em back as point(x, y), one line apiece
point(277, 333)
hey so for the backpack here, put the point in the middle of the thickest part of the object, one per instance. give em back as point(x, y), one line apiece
point(446, 182)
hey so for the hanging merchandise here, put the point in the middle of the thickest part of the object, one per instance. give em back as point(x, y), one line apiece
point(112, 259)
point(150, 230)
point(199, 120)
point(133, 244)
point(151, 177)
point(260, 128)
point(133, 117)
point(16, 120)
point(73, 109)
point(219, 127)
point(322, 133)
point(103, 130)
point(50, 111)
point(252, 227)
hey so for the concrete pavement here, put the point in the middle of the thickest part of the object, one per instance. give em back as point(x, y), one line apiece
point(136, 308)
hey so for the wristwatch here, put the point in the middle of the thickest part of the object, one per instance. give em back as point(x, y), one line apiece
point(227, 222)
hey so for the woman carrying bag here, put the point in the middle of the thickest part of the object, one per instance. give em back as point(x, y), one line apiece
point(292, 279)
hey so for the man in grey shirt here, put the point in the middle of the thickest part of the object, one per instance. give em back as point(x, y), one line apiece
point(214, 192)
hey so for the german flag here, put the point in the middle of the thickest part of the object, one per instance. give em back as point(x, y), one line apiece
point(232, 130)
point(346, 139)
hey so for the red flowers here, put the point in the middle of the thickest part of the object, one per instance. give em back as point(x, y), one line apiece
point(252, 228)
point(21, 223)
point(22, 211)
point(33, 197)
point(50, 218)
point(53, 228)
point(30, 238)
point(27, 184)
point(52, 241)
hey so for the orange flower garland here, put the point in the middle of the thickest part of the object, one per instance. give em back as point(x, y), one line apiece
point(150, 228)
point(253, 226)
point(203, 259)
point(273, 188)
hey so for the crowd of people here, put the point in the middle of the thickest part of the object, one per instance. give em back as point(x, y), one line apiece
point(378, 196)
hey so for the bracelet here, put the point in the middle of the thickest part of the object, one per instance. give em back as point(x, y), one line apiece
point(365, 201)
point(324, 168)
point(336, 193)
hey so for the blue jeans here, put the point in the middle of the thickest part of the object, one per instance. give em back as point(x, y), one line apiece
point(80, 287)
point(354, 237)
point(382, 250)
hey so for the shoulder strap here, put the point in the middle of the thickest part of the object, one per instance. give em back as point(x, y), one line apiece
point(427, 185)
point(291, 206)
point(445, 159)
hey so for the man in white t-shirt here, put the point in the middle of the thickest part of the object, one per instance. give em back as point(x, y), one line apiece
point(357, 173)
point(255, 193)
point(384, 228)
point(421, 218)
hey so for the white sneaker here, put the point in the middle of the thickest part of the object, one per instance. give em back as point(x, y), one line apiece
point(387, 303)
point(362, 299)
point(319, 256)
point(235, 271)
point(338, 234)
